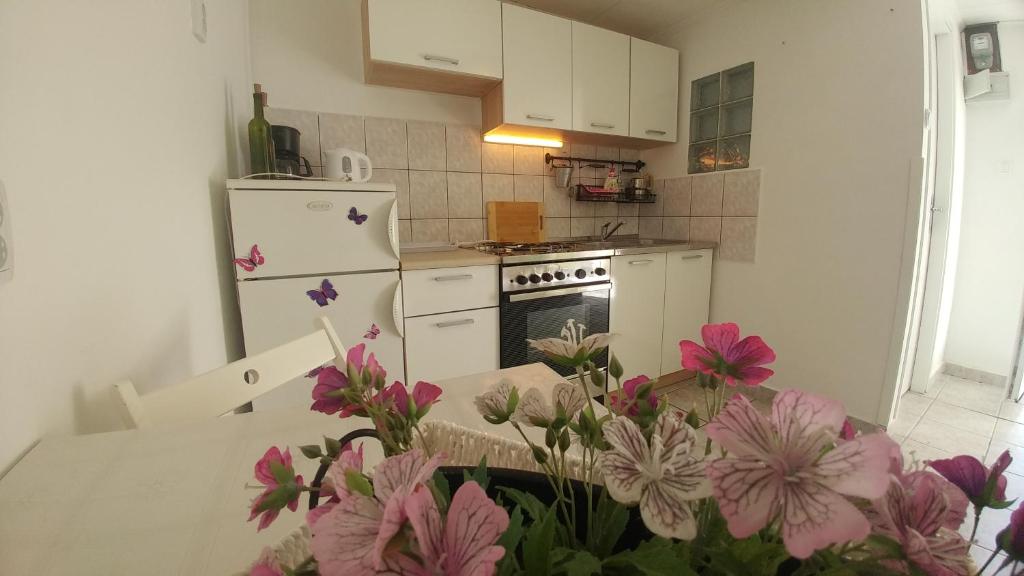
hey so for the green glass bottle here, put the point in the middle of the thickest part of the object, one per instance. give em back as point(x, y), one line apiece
point(261, 157)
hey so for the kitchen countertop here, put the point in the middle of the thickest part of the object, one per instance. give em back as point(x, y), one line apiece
point(656, 245)
point(454, 258)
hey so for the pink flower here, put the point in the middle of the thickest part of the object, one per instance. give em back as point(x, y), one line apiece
point(464, 545)
point(982, 486)
point(424, 395)
point(629, 389)
point(1011, 538)
point(282, 487)
point(848, 432)
point(922, 512)
point(327, 394)
point(790, 469)
point(266, 565)
point(725, 358)
point(351, 538)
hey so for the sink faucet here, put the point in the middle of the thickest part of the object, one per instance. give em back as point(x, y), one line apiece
point(606, 233)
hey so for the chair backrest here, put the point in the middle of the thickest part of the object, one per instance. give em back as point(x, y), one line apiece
point(224, 389)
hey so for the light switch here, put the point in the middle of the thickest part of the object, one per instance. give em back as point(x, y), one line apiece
point(6, 240)
point(199, 19)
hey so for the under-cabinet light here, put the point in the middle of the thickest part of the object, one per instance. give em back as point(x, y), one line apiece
point(522, 140)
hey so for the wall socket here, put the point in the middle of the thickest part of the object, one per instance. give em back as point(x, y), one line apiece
point(6, 239)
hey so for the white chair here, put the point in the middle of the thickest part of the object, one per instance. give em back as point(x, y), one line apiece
point(218, 392)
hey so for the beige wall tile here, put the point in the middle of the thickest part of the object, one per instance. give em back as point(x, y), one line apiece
point(464, 147)
point(706, 229)
point(650, 227)
point(497, 158)
point(739, 239)
point(629, 155)
point(465, 196)
point(742, 193)
point(605, 153)
point(497, 188)
point(579, 209)
point(434, 230)
point(581, 227)
point(629, 210)
point(557, 228)
point(556, 200)
point(466, 230)
point(630, 226)
point(656, 208)
point(584, 150)
point(529, 188)
point(565, 150)
point(606, 210)
point(676, 228)
point(400, 178)
point(528, 160)
point(707, 195)
point(404, 231)
point(426, 146)
point(428, 195)
point(308, 126)
point(386, 143)
point(677, 196)
point(341, 131)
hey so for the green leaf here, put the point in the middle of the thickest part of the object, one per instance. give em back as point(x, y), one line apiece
point(615, 368)
point(356, 482)
point(510, 541)
point(656, 557)
point(531, 505)
point(575, 562)
point(540, 539)
point(479, 474)
point(333, 447)
point(311, 451)
point(513, 401)
point(999, 505)
point(609, 523)
point(550, 439)
point(441, 489)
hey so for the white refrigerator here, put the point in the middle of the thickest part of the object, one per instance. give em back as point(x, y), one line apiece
point(305, 249)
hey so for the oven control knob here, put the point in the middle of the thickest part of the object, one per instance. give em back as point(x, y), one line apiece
point(547, 277)
point(559, 275)
point(600, 271)
point(581, 273)
point(521, 280)
point(534, 279)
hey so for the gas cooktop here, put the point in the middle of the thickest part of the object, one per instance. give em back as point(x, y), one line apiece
point(520, 253)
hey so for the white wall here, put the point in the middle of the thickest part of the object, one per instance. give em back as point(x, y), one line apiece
point(309, 56)
point(838, 121)
point(987, 303)
point(115, 143)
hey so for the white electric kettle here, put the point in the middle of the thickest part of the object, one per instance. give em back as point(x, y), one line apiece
point(345, 164)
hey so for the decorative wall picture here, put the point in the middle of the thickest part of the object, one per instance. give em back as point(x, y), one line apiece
point(721, 118)
point(254, 261)
point(322, 294)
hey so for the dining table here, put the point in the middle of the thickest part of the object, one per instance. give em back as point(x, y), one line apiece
point(174, 499)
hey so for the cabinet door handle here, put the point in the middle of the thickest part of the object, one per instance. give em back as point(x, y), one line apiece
point(658, 132)
point(601, 125)
point(445, 59)
point(692, 257)
point(453, 277)
point(453, 323)
point(640, 262)
point(540, 118)
point(397, 310)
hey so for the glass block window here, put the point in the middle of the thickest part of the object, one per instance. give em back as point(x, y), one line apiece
point(721, 114)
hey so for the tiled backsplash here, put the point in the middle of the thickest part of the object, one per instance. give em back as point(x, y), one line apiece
point(445, 175)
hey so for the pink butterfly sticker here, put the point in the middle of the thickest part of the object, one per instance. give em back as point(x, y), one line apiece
point(254, 261)
point(372, 333)
point(323, 294)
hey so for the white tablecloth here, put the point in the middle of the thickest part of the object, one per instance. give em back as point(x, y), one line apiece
point(173, 500)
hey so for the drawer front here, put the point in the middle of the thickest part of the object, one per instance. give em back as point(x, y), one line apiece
point(444, 346)
point(449, 289)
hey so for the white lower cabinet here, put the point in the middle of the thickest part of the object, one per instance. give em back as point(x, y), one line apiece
point(638, 296)
point(454, 344)
point(687, 302)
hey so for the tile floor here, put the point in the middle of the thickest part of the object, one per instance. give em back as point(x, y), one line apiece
point(957, 416)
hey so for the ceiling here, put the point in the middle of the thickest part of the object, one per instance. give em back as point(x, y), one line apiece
point(641, 18)
point(977, 11)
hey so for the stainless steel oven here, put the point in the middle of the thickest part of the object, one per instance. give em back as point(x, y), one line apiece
point(549, 300)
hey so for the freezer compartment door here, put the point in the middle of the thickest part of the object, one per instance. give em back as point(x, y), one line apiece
point(301, 232)
point(277, 311)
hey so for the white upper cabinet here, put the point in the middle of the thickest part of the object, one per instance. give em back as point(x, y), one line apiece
point(654, 91)
point(600, 80)
point(537, 51)
point(460, 39)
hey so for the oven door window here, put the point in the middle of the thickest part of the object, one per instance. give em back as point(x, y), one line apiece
point(547, 317)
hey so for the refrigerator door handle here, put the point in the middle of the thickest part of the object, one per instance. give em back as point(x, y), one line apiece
point(397, 311)
point(393, 229)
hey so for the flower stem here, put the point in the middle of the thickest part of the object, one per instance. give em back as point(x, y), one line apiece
point(553, 479)
point(987, 562)
point(586, 389)
point(977, 518)
point(423, 440)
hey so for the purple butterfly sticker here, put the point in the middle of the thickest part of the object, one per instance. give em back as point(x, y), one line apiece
point(355, 216)
point(372, 333)
point(323, 294)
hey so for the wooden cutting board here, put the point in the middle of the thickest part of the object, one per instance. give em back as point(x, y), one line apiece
point(515, 221)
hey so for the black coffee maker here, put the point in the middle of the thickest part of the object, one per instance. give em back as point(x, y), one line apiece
point(286, 151)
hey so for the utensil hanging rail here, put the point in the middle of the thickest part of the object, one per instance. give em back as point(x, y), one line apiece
point(637, 165)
